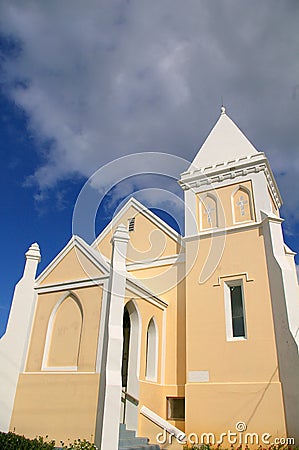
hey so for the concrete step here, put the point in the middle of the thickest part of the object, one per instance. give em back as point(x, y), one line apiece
point(127, 434)
point(129, 441)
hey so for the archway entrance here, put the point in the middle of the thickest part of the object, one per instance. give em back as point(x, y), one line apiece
point(130, 365)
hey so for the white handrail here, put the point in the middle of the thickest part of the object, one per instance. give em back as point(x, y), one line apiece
point(171, 429)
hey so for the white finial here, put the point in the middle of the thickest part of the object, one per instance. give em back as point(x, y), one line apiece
point(222, 109)
point(33, 252)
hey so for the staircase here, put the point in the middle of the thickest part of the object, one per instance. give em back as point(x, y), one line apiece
point(128, 440)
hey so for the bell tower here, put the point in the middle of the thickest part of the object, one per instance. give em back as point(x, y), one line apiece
point(241, 292)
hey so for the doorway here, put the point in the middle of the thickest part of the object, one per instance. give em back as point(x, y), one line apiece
point(130, 365)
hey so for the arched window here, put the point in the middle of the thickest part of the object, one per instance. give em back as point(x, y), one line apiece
point(151, 351)
point(242, 207)
point(209, 213)
point(64, 335)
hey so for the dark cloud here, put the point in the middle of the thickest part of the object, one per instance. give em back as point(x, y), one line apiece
point(99, 80)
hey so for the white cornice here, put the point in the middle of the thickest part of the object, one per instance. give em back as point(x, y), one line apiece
point(166, 261)
point(224, 230)
point(138, 288)
point(132, 202)
point(71, 285)
point(230, 170)
point(133, 284)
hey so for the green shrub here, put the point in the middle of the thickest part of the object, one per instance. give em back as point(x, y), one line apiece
point(12, 441)
point(79, 445)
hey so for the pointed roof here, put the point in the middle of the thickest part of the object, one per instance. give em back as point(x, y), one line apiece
point(225, 142)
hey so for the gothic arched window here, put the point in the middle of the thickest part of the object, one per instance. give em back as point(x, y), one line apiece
point(64, 335)
point(242, 207)
point(209, 212)
point(151, 351)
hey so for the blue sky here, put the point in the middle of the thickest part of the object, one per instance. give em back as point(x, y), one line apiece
point(81, 87)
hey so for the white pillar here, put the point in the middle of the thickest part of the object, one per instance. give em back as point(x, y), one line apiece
point(14, 343)
point(109, 406)
point(284, 299)
point(275, 245)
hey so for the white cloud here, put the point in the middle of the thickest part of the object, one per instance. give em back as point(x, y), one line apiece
point(112, 78)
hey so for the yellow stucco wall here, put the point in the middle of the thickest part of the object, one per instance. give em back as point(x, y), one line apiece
point(62, 406)
point(170, 283)
point(90, 298)
point(147, 241)
point(243, 379)
point(73, 266)
point(56, 403)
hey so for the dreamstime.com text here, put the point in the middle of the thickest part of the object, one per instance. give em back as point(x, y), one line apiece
point(237, 437)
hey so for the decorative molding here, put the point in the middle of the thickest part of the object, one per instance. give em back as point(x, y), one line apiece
point(230, 170)
point(70, 285)
point(166, 261)
point(245, 226)
point(234, 276)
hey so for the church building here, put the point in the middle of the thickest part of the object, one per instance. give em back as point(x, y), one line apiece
point(184, 338)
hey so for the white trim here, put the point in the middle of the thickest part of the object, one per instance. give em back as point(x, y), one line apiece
point(102, 326)
point(228, 310)
point(69, 285)
point(233, 229)
point(163, 347)
point(165, 261)
point(229, 170)
point(234, 275)
point(76, 242)
point(59, 372)
point(45, 366)
point(60, 369)
point(132, 202)
point(146, 294)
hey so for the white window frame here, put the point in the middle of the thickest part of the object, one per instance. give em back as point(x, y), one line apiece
point(228, 310)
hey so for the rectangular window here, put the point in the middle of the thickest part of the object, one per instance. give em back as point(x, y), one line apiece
point(238, 323)
point(234, 310)
point(175, 408)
